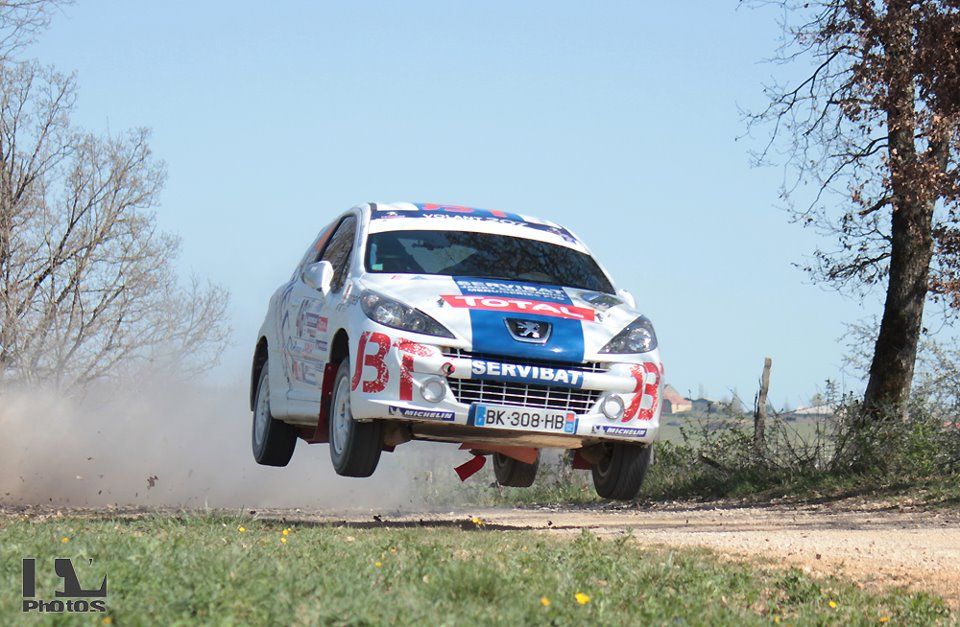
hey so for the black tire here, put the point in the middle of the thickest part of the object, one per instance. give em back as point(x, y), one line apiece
point(273, 440)
point(356, 451)
point(514, 473)
point(620, 474)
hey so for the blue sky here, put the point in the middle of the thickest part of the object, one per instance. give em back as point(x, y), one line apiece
point(618, 120)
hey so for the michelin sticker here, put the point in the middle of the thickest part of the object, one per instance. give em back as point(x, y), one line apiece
point(624, 431)
point(421, 414)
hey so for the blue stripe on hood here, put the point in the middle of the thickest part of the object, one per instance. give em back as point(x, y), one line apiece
point(489, 328)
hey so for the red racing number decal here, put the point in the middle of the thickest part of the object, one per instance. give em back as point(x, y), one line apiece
point(406, 364)
point(373, 360)
point(415, 348)
point(647, 377)
point(406, 379)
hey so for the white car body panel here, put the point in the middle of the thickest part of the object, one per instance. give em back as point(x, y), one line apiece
point(390, 367)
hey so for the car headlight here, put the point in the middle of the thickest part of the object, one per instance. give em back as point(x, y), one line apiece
point(393, 313)
point(637, 337)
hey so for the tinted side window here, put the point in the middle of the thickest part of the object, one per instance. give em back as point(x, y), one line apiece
point(314, 251)
point(338, 251)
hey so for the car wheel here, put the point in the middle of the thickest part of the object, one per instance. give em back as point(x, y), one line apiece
point(620, 473)
point(273, 440)
point(354, 446)
point(513, 472)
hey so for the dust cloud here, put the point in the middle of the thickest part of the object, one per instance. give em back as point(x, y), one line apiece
point(152, 443)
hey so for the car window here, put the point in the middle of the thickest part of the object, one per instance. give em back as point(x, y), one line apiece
point(486, 255)
point(338, 250)
point(313, 253)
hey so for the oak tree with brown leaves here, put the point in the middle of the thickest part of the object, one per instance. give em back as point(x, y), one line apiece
point(873, 127)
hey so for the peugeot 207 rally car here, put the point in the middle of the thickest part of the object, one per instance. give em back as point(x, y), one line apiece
point(435, 322)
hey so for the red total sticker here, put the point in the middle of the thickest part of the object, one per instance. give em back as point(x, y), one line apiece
point(520, 305)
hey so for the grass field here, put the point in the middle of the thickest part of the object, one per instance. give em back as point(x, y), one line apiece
point(205, 568)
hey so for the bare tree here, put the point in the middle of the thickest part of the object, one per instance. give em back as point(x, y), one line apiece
point(21, 20)
point(873, 128)
point(87, 283)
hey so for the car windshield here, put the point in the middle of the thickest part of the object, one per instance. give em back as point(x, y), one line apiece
point(483, 255)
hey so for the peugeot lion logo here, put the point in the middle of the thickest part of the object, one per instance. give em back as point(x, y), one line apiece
point(533, 331)
point(529, 329)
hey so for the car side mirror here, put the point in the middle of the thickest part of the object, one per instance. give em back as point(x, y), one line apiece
point(319, 276)
point(627, 298)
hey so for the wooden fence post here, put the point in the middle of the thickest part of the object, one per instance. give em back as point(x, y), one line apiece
point(760, 412)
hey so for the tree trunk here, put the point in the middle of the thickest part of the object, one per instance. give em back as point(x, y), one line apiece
point(911, 245)
point(891, 372)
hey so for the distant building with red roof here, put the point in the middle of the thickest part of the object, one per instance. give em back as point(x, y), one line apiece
point(674, 402)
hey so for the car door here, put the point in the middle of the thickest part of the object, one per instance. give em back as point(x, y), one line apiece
point(307, 315)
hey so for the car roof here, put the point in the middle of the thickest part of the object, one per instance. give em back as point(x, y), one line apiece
point(410, 216)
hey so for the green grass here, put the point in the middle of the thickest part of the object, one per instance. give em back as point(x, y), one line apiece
point(169, 570)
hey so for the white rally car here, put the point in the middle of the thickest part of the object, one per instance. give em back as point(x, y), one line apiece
point(435, 322)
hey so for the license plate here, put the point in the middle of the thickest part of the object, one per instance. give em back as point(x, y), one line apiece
point(523, 419)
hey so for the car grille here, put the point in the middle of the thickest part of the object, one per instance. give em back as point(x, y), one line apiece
point(524, 394)
point(588, 366)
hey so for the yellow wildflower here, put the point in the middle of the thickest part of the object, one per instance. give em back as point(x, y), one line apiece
point(832, 604)
point(107, 620)
point(544, 601)
point(241, 528)
point(884, 619)
point(582, 598)
point(378, 564)
point(286, 532)
point(283, 540)
point(64, 540)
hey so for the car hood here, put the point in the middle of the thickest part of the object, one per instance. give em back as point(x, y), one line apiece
point(512, 318)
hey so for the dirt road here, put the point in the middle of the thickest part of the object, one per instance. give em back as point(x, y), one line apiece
point(875, 545)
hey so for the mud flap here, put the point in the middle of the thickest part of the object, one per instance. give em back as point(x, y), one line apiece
point(470, 467)
point(580, 462)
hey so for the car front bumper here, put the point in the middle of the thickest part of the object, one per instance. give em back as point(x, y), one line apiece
point(409, 373)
